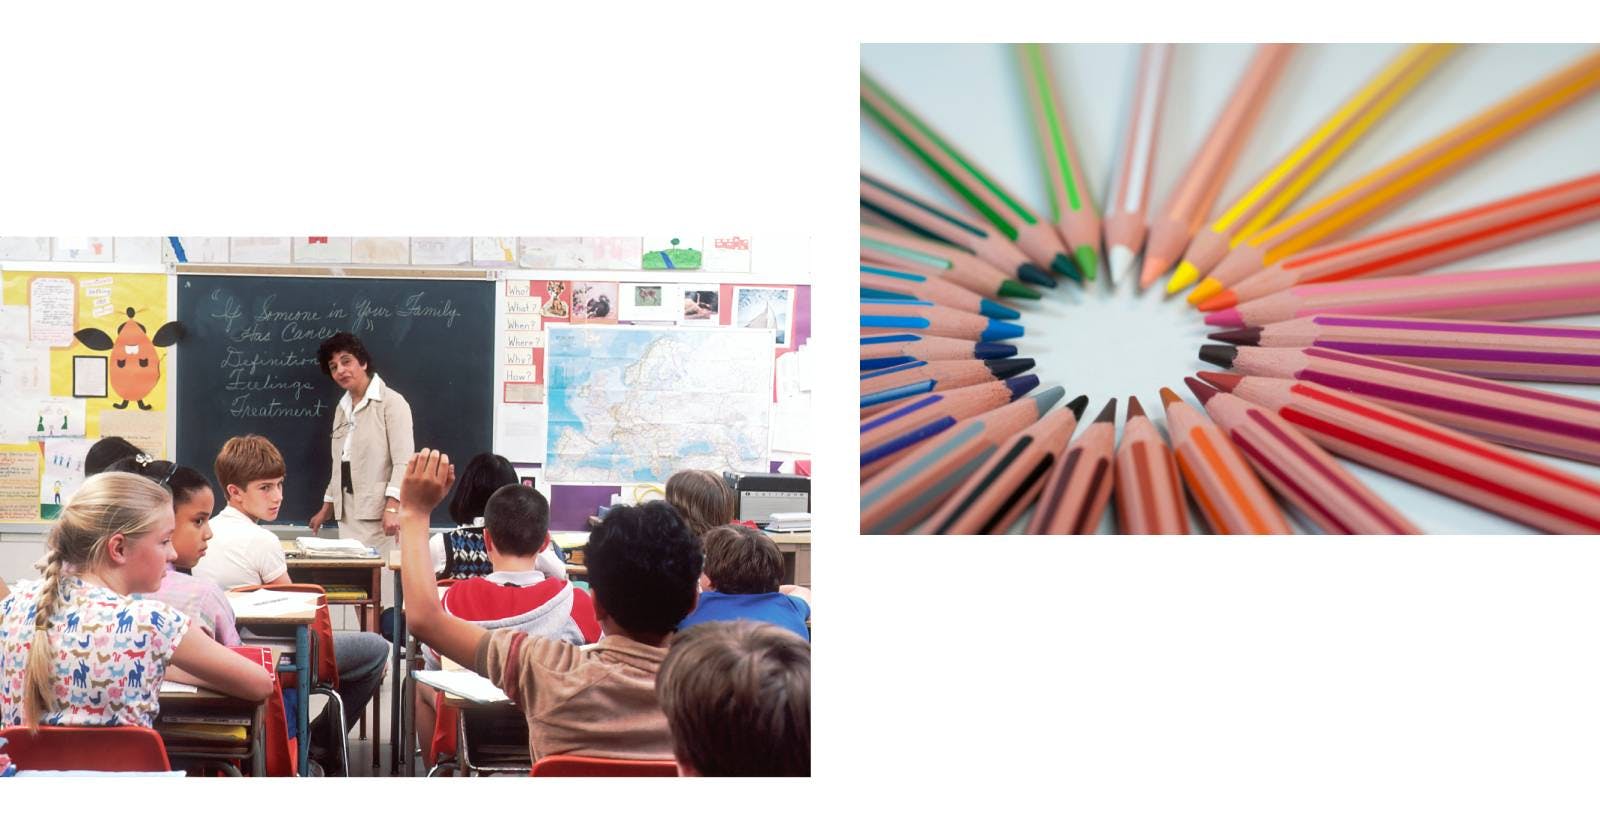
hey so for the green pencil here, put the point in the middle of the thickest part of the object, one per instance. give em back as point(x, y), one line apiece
point(1071, 206)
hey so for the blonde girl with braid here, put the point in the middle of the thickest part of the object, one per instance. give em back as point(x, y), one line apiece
point(81, 646)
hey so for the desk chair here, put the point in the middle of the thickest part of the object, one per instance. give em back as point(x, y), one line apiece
point(325, 673)
point(492, 740)
point(104, 749)
point(583, 766)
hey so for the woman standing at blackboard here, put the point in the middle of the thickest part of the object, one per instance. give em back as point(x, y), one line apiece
point(371, 443)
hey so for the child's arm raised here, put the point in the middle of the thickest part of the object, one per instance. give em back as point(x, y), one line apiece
point(428, 476)
point(199, 659)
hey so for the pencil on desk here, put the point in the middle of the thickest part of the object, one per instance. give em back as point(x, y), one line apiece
point(913, 378)
point(917, 215)
point(1004, 211)
point(1149, 500)
point(1492, 350)
point(900, 498)
point(1397, 181)
point(1534, 292)
point(1457, 464)
point(1071, 207)
point(1278, 189)
point(1229, 495)
point(1186, 210)
point(917, 255)
point(889, 350)
point(1298, 468)
point(1075, 494)
point(1419, 246)
point(888, 436)
point(1525, 418)
point(886, 283)
point(1134, 166)
point(998, 491)
point(878, 315)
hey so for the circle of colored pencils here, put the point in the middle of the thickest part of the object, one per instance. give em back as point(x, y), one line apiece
point(921, 315)
point(1299, 469)
point(889, 350)
point(1320, 151)
point(1007, 482)
point(1397, 181)
point(1003, 210)
point(1076, 493)
point(922, 217)
point(1535, 292)
point(1492, 350)
point(886, 283)
point(1526, 418)
point(1416, 247)
point(1457, 464)
point(1134, 166)
point(913, 378)
point(1071, 205)
point(1230, 496)
point(1186, 209)
point(896, 249)
point(1149, 500)
point(887, 437)
point(900, 498)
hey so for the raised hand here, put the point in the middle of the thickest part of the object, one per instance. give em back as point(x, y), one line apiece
point(429, 475)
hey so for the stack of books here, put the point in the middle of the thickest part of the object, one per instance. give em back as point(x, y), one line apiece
point(789, 522)
point(338, 548)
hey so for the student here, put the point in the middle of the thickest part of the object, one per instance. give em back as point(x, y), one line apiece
point(242, 552)
point(192, 503)
point(737, 696)
point(460, 553)
point(516, 596)
point(106, 452)
point(643, 564)
point(702, 499)
point(741, 581)
point(113, 540)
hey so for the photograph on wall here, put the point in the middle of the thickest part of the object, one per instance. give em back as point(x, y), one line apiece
point(647, 302)
point(765, 308)
point(594, 302)
point(700, 304)
point(557, 299)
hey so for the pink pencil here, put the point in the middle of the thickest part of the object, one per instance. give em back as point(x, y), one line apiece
point(1130, 179)
point(1536, 292)
point(1521, 417)
point(1149, 498)
point(1176, 223)
point(1075, 494)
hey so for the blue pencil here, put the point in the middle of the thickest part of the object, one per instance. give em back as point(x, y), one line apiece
point(888, 350)
point(921, 315)
point(886, 436)
point(913, 378)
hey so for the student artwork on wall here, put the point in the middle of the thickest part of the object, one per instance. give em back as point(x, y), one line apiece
point(647, 302)
point(494, 251)
point(755, 307)
point(19, 483)
point(441, 251)
point(557, 299)
point(194, 249)
point(322, 249)
point(671, 252)
point(52, 308)
point(727, 254)
point(25, 248)
point(700, 304)
point(594, 302)
point(82, 249)
point(380, 250)
point(63, 473)
point(265, 250)
point(89, 377)
point(579, 253)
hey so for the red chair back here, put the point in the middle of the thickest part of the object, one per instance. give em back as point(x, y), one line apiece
point(103, 749)
point(584, 766)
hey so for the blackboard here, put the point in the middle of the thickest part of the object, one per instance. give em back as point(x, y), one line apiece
point(249, 365)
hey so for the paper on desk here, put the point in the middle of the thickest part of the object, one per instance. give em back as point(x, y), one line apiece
point(266, 603)
point(463, 683)
point(177, 687)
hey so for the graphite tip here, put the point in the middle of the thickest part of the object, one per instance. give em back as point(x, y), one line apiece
point(1220, 355)
point(1108, 413)
point(1028, 272)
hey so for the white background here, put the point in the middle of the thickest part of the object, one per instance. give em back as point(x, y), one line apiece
point(1101, 678)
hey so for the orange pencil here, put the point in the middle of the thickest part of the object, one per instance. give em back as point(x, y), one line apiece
point(1231, 497)
point(1076, 494)
point(998, 491)
point(1149, 499)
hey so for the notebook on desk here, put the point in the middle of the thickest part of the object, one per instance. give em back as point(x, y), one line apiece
point(463, 684)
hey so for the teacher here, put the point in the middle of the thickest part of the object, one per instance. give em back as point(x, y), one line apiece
point(371, 442)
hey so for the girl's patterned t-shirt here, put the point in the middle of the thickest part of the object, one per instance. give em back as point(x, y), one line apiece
point(110, 654)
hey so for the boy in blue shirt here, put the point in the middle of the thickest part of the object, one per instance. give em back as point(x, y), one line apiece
point(743, 580)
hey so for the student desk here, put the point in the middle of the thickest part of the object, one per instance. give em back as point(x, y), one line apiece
point(365, 573)
point(303, 665)
point(210, 703)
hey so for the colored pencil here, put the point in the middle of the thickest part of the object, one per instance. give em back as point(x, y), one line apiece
point(896, 249)
point(915, 378)
point(1004, 211)
point(922, 217)
point(1536, 292)
point(1190, 203)
point(879, 315)
point(1320, 151)
point(1074, 497)
point(1230, 497)
point(1135, 163)
point(889, 350)
point(886, 283)
point(900, 498)
point(1071, 205)
point(1423, 245)
point(1149, 499)
point(1493, 350)
point(1525, 418)
point(887, 437)
point(1299, 469)
point(1457, 464)
point(1397, 181)
point(997, 493)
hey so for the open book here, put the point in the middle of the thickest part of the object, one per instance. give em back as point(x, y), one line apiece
point(463, 683)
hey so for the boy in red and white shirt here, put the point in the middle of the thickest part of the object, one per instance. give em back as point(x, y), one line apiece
point(516, 529)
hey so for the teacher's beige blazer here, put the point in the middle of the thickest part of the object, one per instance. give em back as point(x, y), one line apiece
point(378, 455)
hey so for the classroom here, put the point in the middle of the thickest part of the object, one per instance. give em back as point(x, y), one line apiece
point(589, 446)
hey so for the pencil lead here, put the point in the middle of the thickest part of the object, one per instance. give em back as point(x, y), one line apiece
point(1134, 408)
point(1201, 390)
point(1242, 336)
point(993, 350)
point(1121, 262)
point(1221, 381)
point(1225, 298)
point(1017, 290)
point(1020, 385)
point(1002, 368)
point(1154, 267)
point(1109, 412)
point(1182, 278)
point(1168, 397)
point(1229, 317)
point(1220, 355)
point(995, 310)
point(1088, 261)
point(1065, 266)
point(1077, 406)
point(1207, 288)
point(1046, 399)
point(1028, 272)
point(999, 329)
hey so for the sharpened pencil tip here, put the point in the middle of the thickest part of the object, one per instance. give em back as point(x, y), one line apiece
point(1220, 355)
point(1168, 397)
point(1134, 408)
point(1120, 262)
point(1207, 289)
point(1109, 412)
point(1020, 385)
point(1229, 317)
point(1241, 336)
point(1183, 277)
point(1046, 399)
point(1078, 406)
point(1154, 267)
point(1028, 272)
point(1088, 261)
point(1002, 368)
point(999, 329)
point(1016, 290)
point(1221, 381)
point(995, 310)
point(1201, 390)
point(1065, 266)
point(1222, 301)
